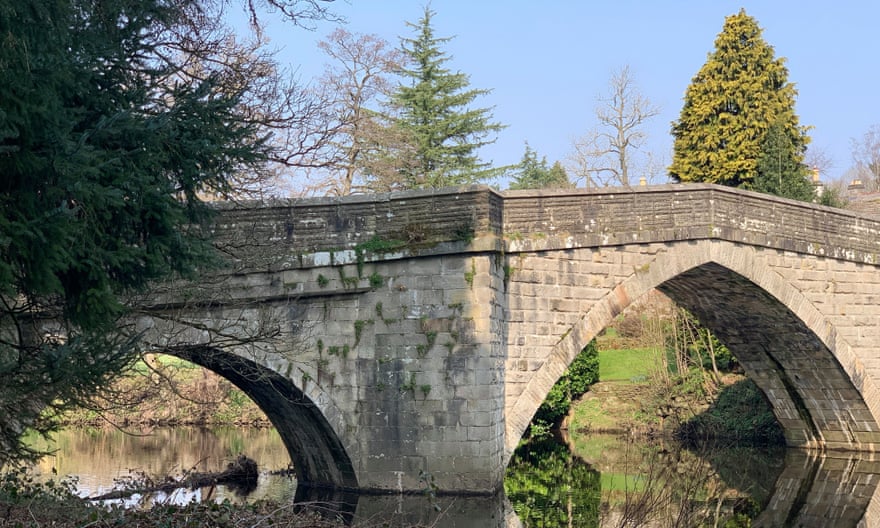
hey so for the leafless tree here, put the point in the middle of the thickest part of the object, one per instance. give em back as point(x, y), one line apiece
point(603, 156)
point(866, 157)
point(819, 162)
point(354, 83)
point(294, 121)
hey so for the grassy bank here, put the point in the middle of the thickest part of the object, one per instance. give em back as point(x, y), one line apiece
point(615, 403)
point(636, 395)
point(28, 504)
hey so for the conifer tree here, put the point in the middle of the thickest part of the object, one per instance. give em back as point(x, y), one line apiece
point(779, 171)
point(731, 103)
point(112, 129)
point(534, 174)
point(435, 111)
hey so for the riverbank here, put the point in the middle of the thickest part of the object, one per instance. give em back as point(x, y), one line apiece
point(26, 504)
point(634, 397)
point(166, 391)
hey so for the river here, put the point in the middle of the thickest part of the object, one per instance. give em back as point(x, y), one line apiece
point(594, 480)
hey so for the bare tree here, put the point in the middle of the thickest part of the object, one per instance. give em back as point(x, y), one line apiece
point(604, 155)
point(866, 157)
point(819, 161)
point(302, 13)
point(295, 123)
point(356, 80)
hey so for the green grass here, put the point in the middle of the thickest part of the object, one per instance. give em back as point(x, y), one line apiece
point(628, 365)
point(590, 413)
point(622, 482)
point(623, 366)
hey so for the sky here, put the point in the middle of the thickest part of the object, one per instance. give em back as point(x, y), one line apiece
point(547, 63)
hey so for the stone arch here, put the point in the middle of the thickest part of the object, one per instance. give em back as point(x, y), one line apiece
point(816, 385)
point(319, 456)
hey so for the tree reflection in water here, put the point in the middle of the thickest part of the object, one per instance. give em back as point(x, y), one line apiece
point(548, 486)
point(613, 482)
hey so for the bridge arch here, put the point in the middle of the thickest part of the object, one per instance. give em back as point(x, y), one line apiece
point(816, 386)
point(318, 455)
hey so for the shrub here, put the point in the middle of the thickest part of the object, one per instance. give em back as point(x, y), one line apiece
point(583, 372)
point(740, 414)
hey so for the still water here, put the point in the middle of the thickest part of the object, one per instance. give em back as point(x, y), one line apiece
point(588, 481)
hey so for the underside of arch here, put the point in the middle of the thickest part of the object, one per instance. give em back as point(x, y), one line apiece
point(318, 456)
point(818, 398)
point(812, 396)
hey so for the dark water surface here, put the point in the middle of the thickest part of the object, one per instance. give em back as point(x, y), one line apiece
point(590, 481)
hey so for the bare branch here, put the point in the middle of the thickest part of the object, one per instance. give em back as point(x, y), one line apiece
point(356, 80)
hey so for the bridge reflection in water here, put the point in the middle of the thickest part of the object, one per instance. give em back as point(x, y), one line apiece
point(546, 484)
point(811, 490)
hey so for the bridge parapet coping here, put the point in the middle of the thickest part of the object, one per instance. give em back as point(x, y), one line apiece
point(539, 221)
point(297, 233)
point(314, 232)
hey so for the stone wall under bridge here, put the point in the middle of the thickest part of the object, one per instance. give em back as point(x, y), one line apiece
point(403, 339)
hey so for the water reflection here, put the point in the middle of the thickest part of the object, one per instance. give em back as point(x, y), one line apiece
point(834, 490)
point(660, 484)
point(101, 458)
point(549, 486)
point(601, 481)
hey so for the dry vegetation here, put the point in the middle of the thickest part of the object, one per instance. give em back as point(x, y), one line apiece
point(163, 390)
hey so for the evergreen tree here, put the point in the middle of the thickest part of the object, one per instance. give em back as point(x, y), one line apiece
point(534, 174)
point(106, 145)
point(779, 172)
point(557, 177)
point(738, 94)
point(435, 112)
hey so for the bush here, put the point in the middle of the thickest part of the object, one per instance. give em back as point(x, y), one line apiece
point(740, 414)
point(630, 325)
point(24, 500)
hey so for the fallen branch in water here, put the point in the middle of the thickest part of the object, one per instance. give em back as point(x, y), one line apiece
point(242, 472)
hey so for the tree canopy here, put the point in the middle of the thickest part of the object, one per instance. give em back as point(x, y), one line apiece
point(737, 96)
point(433, 108)
point(116, 118)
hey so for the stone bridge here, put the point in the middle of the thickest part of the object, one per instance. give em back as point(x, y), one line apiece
point(401, 338)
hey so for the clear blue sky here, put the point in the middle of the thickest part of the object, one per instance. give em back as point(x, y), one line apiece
point(547, 62)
